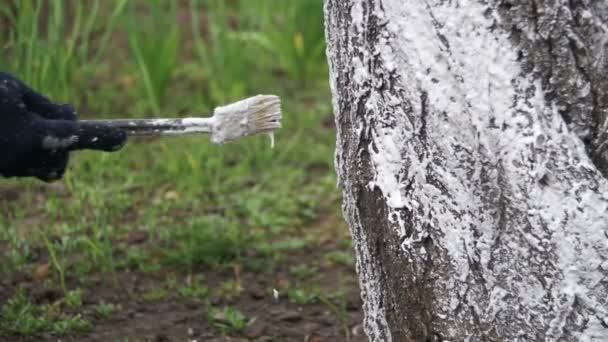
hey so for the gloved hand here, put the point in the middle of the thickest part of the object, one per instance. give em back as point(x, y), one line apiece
point(37, 135)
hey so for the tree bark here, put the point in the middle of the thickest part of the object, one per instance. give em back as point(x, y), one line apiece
point(472, 153)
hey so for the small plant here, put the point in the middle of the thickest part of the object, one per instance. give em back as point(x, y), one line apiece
point(67, 325)
point(230, 289)
point(56, 263)
point(303, 271)
point(149, 267)
point(17, 254)
point(172, 282)
point(20, 316)
point(340, 258)
point(156, 294)
point(228, 319)
point(302, 297)
point(105, 310)
point(73, 299)
point(194, 290)
point(136, 258)
point(102, 252)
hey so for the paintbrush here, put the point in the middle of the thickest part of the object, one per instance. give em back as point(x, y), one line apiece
point(254, 115)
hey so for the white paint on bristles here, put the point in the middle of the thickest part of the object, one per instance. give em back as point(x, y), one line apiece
point(254, 115)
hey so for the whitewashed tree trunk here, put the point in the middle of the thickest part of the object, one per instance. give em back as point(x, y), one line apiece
point(473, 157)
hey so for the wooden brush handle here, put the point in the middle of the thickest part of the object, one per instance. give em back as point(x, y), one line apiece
point(147, 127)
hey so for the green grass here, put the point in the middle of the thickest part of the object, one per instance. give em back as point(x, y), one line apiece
point(55, 54)
point(228, 320)
point(303, 271)
point(340, 258)
point(204, 207)
point(155, 43)
point(20, 316)
point(106, 310)
point(302, 297)
point(156, 294)
point(194, 290)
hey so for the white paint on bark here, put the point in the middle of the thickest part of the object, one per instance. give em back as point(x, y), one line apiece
point(470, 144)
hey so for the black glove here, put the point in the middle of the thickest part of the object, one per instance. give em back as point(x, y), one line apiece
point(37, 135)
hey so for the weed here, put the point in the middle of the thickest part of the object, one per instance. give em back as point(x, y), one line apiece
point(136, 258)
point(155, 294)
point(58, 266)
point(106, 310)
point(67, 325)
point(22, 317)
point(229, 290)
point(149, 267)
point(228, 319)
point(303, 271)
point(73, 299)
point(18, 253)
point(194, 290)
point(340, 258)
point(302, 297)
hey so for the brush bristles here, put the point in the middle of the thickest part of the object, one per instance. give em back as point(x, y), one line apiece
point(255, 115)
point(265, 115)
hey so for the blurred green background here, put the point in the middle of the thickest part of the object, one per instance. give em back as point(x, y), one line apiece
point(182, 208)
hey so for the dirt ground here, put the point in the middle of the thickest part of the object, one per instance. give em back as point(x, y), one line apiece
point(175, 318)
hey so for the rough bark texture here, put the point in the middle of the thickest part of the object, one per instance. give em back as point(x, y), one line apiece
point(472, 155)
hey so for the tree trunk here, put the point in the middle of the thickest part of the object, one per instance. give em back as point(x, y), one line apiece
point(472, 155)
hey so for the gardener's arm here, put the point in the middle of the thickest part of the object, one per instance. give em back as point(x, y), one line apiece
point(37, 135)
